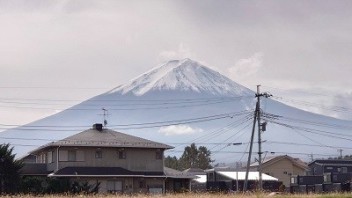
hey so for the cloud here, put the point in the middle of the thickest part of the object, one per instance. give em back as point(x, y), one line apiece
point(182, 52)
point(343, 105)
point(247, 67)
point(179, 130)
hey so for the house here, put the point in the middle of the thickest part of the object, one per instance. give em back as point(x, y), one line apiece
point(198, 184)
point(177, 181)
point(113, 161)
point(282, 167)
point(320, 167)
point(324, 176)
point(226, 179)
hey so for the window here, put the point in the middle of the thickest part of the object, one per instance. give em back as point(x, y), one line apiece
point(98, 154)
point(41, 158)
point(72, 155)
point(122, 154)
point(211, 176)
point(159, 154)
point(50, 157)
point(114, 186)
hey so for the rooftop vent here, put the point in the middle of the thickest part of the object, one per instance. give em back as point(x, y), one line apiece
point(98, 127)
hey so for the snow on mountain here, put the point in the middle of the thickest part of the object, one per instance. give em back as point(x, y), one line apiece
point(185, 90)
point(184, 75)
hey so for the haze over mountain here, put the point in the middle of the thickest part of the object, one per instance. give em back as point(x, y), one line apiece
point(182, 102)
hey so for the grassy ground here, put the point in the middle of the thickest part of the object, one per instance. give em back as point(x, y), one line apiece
point(194, 195)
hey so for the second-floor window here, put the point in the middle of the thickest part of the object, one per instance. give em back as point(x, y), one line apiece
point(98, 154)
point(121, 154)
point(159, 154)
point(50, 157)
point(71, 155)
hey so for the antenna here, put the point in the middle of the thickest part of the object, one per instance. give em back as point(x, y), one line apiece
point(105, 114)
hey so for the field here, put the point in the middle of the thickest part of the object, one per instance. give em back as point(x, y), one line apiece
point(193, 195)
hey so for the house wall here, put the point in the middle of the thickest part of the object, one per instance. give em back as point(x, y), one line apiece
point(128, 184)
point(317, 169)
point(283, 169)
point(137, 159)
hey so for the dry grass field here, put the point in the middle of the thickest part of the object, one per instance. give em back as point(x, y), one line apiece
point(192, 195)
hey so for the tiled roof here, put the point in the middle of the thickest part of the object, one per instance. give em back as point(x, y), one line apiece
point(103, 172)
point(105, 138)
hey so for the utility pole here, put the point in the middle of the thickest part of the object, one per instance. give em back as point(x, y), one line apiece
point(258, 95)
point(257, 114)
point(311, 157)
point(250, 149)
point(340, 151)
point(259, 141)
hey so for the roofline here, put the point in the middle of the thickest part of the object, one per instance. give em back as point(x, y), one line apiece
point(50, 145)
point(145, 176)
point(278, 158)
point(329, 161)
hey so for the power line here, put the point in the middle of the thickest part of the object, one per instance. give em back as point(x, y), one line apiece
point(218, 131)
point(42, 87)
point(230, 115)
point(159, 106)
point(296, 90)
point(314, 131)
point(122, 99)
point(310, 104)
point(303, 144)
point(276, 152)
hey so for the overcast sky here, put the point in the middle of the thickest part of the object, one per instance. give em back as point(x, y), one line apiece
point(73, 50)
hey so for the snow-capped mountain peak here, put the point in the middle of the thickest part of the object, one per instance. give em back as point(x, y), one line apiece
point(182, 75)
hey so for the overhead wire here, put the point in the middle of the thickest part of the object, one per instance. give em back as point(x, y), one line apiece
point(132, 125)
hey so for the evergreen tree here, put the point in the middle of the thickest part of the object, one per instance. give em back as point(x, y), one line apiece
point(204, 158)
point(189, 158)
point(194, 157)
point(9, 170)
point(172, 162)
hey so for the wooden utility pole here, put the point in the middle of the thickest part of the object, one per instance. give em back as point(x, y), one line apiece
point(258, 95)
point(259, 141)
point(245, 185)
point(257, 114)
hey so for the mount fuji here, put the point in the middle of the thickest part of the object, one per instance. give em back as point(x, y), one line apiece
point(181, 102)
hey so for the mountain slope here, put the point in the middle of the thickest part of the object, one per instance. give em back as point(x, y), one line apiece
point(203, 106)
point(182, 75)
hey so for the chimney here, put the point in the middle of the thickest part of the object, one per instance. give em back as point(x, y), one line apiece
point(98, 127)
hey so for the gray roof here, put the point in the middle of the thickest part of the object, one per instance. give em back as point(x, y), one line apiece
point(331, 162)
point(103, 172)
point(105, 138)
point(172, 173)
point(194, 171)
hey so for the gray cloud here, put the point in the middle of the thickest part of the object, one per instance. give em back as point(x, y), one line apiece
point(102, 44)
